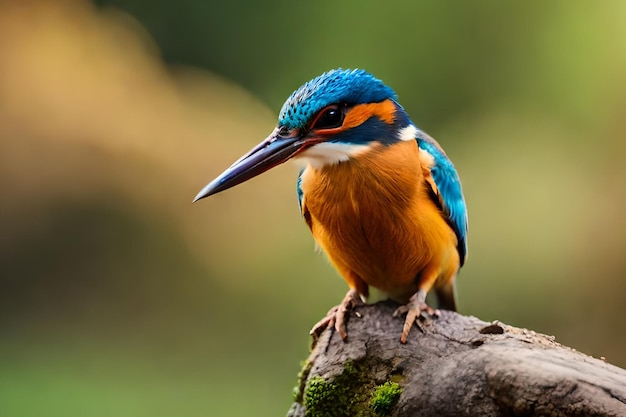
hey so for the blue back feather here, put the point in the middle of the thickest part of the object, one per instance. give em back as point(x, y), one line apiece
point(449, 191)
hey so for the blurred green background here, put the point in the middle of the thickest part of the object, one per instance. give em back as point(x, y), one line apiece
point(119, 297)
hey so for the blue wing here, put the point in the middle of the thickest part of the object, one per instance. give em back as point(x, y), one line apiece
point(299, 189)
point(448, 190)
point(303, 210)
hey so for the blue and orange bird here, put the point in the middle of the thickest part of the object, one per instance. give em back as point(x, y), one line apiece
point(380, 196)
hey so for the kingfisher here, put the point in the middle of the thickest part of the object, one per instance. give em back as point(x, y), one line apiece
point(380, 196)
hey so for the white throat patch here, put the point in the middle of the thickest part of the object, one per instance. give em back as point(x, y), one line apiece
point(330, 153)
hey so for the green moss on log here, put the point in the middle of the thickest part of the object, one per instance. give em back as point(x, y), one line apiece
point(350, 394)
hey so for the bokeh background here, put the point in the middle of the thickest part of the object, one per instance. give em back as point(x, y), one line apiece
point(119, 297)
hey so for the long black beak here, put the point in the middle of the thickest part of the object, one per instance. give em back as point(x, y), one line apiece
point(272, 151)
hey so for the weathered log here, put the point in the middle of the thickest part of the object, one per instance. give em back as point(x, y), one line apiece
point(455, 366)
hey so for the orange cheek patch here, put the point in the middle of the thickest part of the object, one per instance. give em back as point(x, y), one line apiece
point(385, 111)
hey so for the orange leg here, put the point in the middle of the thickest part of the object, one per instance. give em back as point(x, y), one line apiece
point(440, 273)
point(413, 309)
point(417, 303)
point(337, 315)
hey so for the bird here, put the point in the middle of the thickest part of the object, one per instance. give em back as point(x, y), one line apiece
point(379, 195)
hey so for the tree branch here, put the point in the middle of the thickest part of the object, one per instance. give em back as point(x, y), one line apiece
point(457, 366)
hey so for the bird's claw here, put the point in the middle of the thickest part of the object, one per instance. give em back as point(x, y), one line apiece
point(414, 309)
point(337, 316)
point(328, 321)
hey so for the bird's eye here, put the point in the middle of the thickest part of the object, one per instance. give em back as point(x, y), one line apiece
point(283, 131)
point(329, 118)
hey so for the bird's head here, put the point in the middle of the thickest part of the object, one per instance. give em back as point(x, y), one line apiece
point(326, 121)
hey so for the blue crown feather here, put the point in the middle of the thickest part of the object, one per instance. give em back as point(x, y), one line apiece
point(351, 86)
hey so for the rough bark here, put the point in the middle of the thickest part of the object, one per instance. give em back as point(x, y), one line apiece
point(455, 366)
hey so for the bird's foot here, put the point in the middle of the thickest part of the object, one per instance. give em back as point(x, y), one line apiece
point(336, 316)
point(414, 309)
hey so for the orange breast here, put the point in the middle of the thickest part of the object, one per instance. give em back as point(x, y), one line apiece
point(374, 218)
